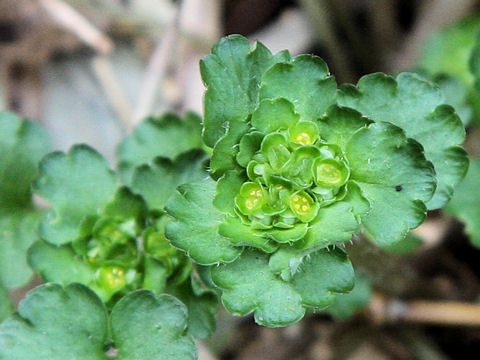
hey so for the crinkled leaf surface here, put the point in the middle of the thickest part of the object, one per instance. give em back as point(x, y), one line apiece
point(77, 184)
point(465, 205)
point(167, 136)
point(232, 74)
point(394, 176)
point(145, 326)
point(58, 323)
point(347, 304)
point(156, 182)
point(17, 233)
point(59, 264)
point(305, 82)
point(249, 285)
point(6, 306)
point(415, 105)
point(22, 144)
point(195, 225)
point(201, 304)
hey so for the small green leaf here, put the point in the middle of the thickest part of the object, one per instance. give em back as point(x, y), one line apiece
point(273, 115)
point(195, 226)
point(465, 204)
point(249, 285)
point(59, 264)
point(226, 150)
point(305, 82)
point(6, 306)
point(334, 224)
point(156, 182)
point(415, 105)
point(232, 74)
point(167, 136)
point(22, 144)
point(56, 323)
point(17, 233)
point(346, 305)
point(339, 124)
point(201, 304)
point(145, 326)
point(125, 205)
point(77, 184)
point(243, 235)
point(394, 176)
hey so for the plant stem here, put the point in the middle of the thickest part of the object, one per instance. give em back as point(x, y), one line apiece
point(424, 311)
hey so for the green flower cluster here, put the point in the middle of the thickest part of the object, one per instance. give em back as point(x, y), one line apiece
point(292, 174)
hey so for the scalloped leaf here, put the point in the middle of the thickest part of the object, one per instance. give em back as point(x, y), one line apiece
point(232, 74)
point(195, 225)
point(167, 136)
point(394, 176)
point(465, 205)
point(145, 326)
point(305, 82)
point(77, 184)
point(156, 182)
point(17, 233)
point(415, 105)
point(6, 306)
point(56, 323)
point(59, 264)
point(22, 144)
point(249, 285)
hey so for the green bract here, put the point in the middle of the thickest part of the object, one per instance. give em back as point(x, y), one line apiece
point(297, 174)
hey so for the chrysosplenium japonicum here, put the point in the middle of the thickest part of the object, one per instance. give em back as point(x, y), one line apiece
point(298, 166)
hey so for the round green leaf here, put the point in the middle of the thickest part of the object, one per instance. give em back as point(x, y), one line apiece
point(232, 74)
point(394, 176)
point(156, 182)
point(56, 323)
point(77, 184)
point(195, 225)
point(148, 327)
point(167, 136)
point(59, 264)
point(415, 105)
point(249, 285)
point(305, 82)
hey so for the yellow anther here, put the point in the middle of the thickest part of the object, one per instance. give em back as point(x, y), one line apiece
point(253, 193)
point(305, 208)
point(296, 198)
point(296, 207)
point(304, 139)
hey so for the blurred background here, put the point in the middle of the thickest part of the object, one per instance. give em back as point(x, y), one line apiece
point(90, 70)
